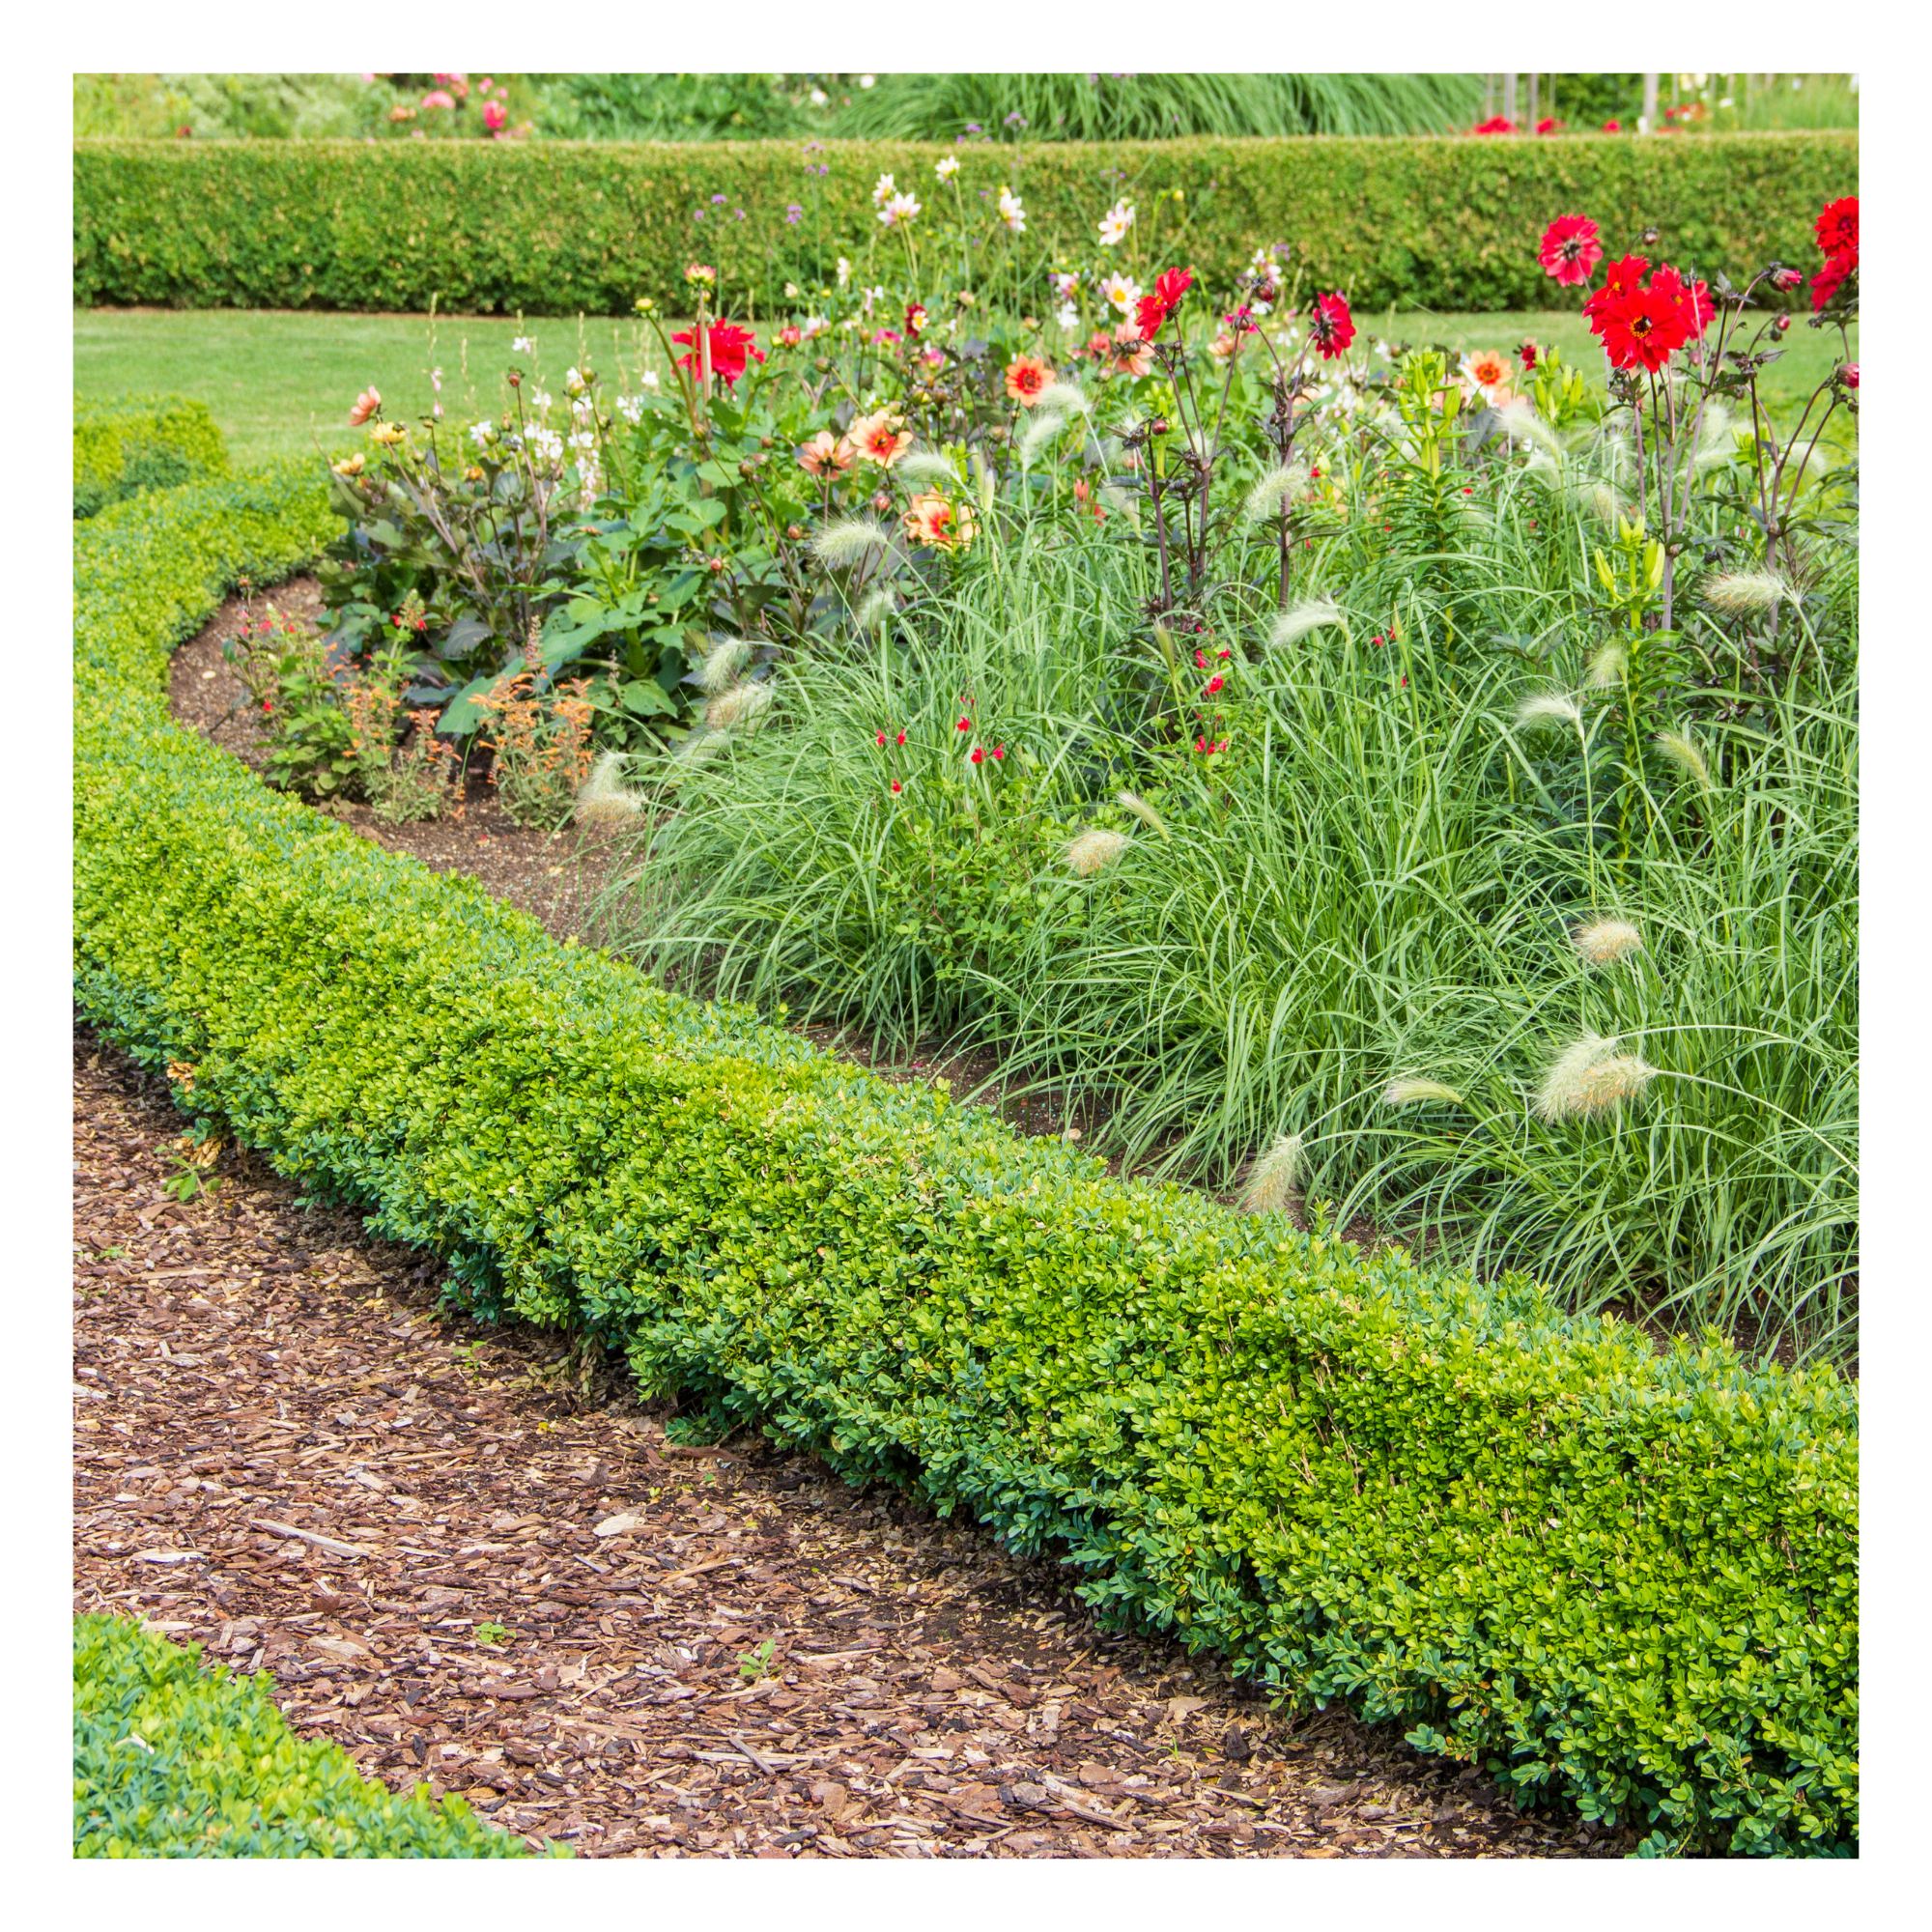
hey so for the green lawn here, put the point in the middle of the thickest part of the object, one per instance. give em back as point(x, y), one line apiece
point(280, 383)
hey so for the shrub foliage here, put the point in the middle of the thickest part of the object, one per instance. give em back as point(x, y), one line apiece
point(174, 1762)
point(562, 227)
point(1620, 1580)
point(125, 444)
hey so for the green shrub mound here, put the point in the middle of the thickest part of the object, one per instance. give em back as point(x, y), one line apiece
point(1615, 1579)
point(174, 1762)
point(562, 227)
point(123, 445)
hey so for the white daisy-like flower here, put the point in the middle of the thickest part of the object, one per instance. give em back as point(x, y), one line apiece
point(1069, 316)
point(648, 379)
point(1066, 287)
point(1123, 290)
point(1115, 222)
point(947, 168)
point(844, 269)
point(523, 345)
point(883, 190)
point(901, 208)
point(1011, 213)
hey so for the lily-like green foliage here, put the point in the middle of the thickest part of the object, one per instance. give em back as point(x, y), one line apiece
point(125, 444)
point(1617, 1580)
point(172, 1761)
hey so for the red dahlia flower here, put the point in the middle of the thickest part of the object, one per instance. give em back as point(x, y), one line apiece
point(1832, 277)
point(1693, 299)
point(1330, 327)
point(730, 347)
point(1642, 329)
point(1570, 250)
point(914, 317)
point(1848, 374)
point(1155, 309)
point(1838, 226)
point(1620, 280)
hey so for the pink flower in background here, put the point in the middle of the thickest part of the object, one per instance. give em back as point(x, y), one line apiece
point(486, 86)
point(365, 406)
point(437, 98)
point(494, 115)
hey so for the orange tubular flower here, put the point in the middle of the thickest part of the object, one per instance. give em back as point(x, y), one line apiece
point(880, 440)
point(1027, 377)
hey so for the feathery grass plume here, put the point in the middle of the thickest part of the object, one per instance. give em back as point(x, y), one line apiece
point(1745, 594)
point(1606, 667)
point(1133, 802)
point(1119, 502)
point(875, 608)
point(1549, 707)
point(722, 666)
point(848, 541)
point(1518, 420)
point(1589, 1076)
point(1715, 438)
point(1271, 1184)
point(1605, 941)
point(741, 705)
point(1043, 430)
point(701, 747)
point(1095, 850)
point(1602, 500)
point(1063, 399)
point(1299, 619)
point(1406, 1092)
point(1683, 752)
point(1265, 498)
point(928, 467)
point(603, 804)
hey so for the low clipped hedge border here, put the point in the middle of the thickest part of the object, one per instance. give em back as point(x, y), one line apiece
point(563, 227)
point(171, 1761)
point(1617, 1579)
point(125, 444)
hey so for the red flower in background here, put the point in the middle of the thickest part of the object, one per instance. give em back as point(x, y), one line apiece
point(1643, 328)
point(1496, 124)
point(730, 346)
point(1570, 250)
point(1546, 125)
point(1838, 226)
point(1330, 327)
point(1155, 309)
point(1613, 126)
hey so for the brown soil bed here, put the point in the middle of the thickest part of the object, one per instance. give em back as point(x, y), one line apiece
point(285, 1451)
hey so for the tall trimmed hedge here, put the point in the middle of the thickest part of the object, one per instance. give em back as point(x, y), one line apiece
point(1617, 1579)
point(125, 444)
point(171, 1761)
point(558, 228)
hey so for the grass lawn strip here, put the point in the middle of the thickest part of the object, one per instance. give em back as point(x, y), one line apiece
point(240, 1360)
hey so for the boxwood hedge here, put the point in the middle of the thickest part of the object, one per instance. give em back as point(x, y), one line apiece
point(174, 1762)
point(125, 444)
point(560, 228)
point(1616, 1578)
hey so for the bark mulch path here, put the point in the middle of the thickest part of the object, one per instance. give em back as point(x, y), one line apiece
point(284, 1451)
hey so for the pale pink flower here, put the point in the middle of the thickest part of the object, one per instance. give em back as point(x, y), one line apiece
point(365, 406)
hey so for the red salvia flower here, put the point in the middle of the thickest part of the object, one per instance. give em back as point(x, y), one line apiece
point(978, 752)
point(1838, 226)
point(1570, 250)
point(1620, 279)
point(1330, 327)
point(1642, 329)
point(965, 724)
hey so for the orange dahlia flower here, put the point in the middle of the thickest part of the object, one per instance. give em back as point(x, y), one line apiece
point(880, 440)
point(931, 518)
point(1026, 375)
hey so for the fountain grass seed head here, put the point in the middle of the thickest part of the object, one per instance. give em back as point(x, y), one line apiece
point(1549, 707)
point(930, 469)
point(1407, 1093)
point(1271, 1183)
point(849, 541)
point(1064, 399)
point(603, 804)
point(1590, 1076)
point(1132, 802)
point(740, 708)
point(1605, 941)
point(722, 666)
point(1294, 623)
point(1606, 667)
point(1043, 430)
point(1095, 850)
point(1686, 755)
point(1265, 498)
point(1745, 594)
